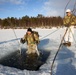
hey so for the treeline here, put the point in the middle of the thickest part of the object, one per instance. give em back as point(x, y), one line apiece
point(26, 21)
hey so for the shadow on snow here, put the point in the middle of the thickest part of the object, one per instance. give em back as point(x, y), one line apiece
point(9, 41)
point(64, 65)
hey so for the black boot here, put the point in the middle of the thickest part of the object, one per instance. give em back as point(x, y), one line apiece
point(65, 44)
point(69, 44)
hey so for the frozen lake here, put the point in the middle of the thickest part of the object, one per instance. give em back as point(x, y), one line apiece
point(50, 39)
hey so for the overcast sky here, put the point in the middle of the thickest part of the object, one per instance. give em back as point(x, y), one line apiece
point(20, 8)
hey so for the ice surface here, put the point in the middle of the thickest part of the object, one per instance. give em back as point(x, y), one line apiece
point(65, 63)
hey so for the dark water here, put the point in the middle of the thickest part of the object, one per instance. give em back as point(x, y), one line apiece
point(23, 61)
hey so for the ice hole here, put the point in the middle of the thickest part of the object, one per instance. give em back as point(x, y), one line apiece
point(23, 61)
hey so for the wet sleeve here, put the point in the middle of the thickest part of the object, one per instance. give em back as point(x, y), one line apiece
point(36, 38)
point(24, 38)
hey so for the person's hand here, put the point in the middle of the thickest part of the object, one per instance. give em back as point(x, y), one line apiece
point(22, 40)
point(67, 25)
point(37, 42)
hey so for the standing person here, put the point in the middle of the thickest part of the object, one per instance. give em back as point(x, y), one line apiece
point(69, 21)
point(32, 39)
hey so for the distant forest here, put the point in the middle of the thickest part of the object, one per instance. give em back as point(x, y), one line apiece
point(26, 21)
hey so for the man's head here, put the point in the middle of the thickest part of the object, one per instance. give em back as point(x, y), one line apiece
point(29, 30)
point(68, 12)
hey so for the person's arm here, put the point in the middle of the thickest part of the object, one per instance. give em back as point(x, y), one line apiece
point(73, 20)
point(66, 21)
point(36, 39)
point(23, 40)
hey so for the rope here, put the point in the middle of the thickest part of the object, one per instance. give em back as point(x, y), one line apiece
point(17, 40)
point(58, 50)
point(49, 34)
point(16, 37)
point(60, 43)
point(74, 9)
point(66, 6)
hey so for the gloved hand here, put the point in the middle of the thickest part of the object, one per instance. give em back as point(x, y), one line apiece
point(37, 42)
point(22, 40)
point(67, 25)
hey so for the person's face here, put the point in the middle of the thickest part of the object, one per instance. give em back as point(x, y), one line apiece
point(68, 13)
point(29, 32)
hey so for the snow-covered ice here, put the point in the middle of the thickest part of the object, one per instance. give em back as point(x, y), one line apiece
point(50, 39)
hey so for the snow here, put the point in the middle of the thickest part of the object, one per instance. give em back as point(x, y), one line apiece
point(50, 39)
